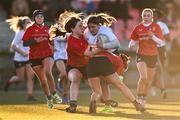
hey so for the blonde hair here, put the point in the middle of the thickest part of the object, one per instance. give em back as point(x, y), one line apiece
point(17, 23)
point(54, 31)
point(65, 17)
point(58, 29)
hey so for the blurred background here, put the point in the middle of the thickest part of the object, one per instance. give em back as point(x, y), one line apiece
point(127, 13)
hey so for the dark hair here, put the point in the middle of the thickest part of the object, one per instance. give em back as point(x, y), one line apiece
point(95, 20)
point(71, 23)
point(37, 12)
point(100, 19)
point(158, 13)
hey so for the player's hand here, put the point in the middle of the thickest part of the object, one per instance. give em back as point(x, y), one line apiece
point(99, 44)
point(24, 54)
point(150, 34)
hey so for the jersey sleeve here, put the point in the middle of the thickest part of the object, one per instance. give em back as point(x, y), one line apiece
point(27, 35)
point(166, 29)
point(107, 31)
point(134, 35)
point(159, 33)
point(17, 38)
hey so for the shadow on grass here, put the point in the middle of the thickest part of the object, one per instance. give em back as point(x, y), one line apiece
point(148, 108)
point(143, 116)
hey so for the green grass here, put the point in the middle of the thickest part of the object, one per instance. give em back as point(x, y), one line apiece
point(13, 105)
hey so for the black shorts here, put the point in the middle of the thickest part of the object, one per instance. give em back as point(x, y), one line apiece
point(99, 66)
point(81, 69)
point(149, 60)
point(65, 61)
point(18, 64)
point(162, 54)
point(36, 62)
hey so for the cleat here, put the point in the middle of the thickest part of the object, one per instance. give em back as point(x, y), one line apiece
point(71, 109)
point(164, 94)
point(113, 103)
point(65, 100)
point(92, 107)
point(57, 98)
point(31, 98)
point(139, 107)
point(108, 109)
point(50, 103)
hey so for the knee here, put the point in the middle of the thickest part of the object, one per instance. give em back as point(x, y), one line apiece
point(74, 77)
point(75, 81)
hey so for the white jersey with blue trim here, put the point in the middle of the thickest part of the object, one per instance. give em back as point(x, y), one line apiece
point(19, 43)
point(102, 30)
point(165, 31)
point(60, 45)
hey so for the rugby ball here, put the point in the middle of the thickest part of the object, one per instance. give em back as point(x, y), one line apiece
point(101, 39)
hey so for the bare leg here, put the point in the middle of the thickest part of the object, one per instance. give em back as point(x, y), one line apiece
point(75, 77)
point(95, 87)
point(106, 94)
point(142, 83)
point(47, 65)
point(39, 71)
point(63, 76)
point(19, 77)
point(114, 79)
point(150, 76)
point(30, 81)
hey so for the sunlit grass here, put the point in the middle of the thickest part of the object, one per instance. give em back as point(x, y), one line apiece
point(13, 105)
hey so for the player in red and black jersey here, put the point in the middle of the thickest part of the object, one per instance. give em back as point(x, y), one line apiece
point(105, 64)
point(147, 34)
point(41, 56)
point(78, 56)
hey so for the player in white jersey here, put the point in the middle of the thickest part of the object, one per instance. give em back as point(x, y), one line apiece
point(93, 30)
point(160, 74)
point(21, 57)
point(113, 41)
point(60, 57)
point(60, 53)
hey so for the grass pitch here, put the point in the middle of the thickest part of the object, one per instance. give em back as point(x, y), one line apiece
point(13, 106)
